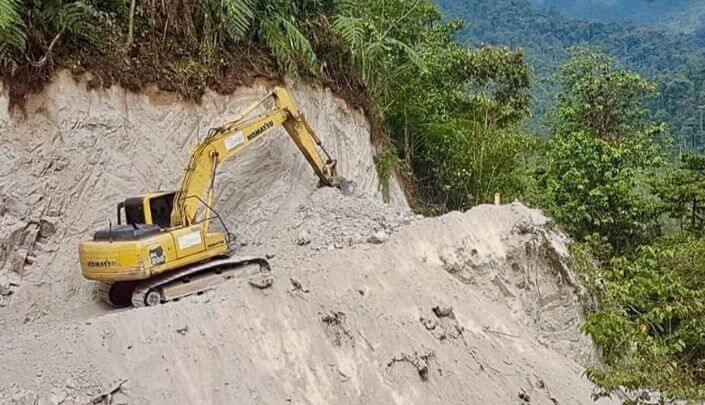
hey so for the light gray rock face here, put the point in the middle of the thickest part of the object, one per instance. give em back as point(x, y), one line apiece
point(71, 155)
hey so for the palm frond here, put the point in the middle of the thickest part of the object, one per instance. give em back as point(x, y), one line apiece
point(235, 17)
point(290, 47)
point(12, 33)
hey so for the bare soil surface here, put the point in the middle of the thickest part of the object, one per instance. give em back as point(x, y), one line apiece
point(370, 303)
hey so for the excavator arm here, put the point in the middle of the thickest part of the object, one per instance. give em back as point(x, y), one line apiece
point(196, 187)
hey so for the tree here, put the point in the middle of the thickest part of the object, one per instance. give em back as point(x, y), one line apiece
point(601, 98)
point(682, 191)
point(598, 161)
point(472, 160)
point(454, 117)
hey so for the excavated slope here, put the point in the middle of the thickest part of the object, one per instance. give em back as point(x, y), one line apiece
point(369, 302)
point(72, 155)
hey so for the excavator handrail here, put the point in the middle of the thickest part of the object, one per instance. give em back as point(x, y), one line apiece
point(217, 215)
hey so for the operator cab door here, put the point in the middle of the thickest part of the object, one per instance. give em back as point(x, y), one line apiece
point(189, 241)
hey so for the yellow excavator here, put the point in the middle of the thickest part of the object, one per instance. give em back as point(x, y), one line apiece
point(162, 247)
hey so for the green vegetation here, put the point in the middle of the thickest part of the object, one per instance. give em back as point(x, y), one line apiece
point(683, 190)
point(651, 322)
point(601, 151)
point(608, 182)
point(454, 119)
point(387, 165)
point(673, 15)
point(451, 120)
point(674, 61)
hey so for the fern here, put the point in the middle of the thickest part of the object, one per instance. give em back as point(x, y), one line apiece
point(290, 47)
point(300, 45)
point(350, 29)
point(348, 7)
point(378, 58)
point(12, 33)
point(75, 20)
point(235, 17)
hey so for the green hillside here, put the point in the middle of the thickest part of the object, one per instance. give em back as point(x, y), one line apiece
point(674, 60)
point(449, 108)
point(674, 15)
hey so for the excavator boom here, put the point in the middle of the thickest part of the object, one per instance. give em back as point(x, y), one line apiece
point(197, 183)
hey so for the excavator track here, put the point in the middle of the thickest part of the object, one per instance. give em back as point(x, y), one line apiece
point(180, 283)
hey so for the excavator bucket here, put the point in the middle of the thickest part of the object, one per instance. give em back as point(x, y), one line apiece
point(331, 177)
point(347, 187)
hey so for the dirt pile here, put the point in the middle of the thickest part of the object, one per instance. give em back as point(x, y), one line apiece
point(466, 308)
point(369, 302)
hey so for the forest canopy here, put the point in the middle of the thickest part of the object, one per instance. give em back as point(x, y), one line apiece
point(670, 15)
point(675, 61)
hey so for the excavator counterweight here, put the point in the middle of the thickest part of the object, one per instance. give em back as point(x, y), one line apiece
point(162, 247)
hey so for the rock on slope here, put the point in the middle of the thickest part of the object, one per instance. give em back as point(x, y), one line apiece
point(369, 302)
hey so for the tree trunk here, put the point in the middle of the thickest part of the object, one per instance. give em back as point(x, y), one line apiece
point(131, 23)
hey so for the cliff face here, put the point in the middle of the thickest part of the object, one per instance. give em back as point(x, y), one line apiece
point(72, 155)
point(370, 303)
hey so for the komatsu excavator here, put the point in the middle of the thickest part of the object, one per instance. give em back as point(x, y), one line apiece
point(162, 247)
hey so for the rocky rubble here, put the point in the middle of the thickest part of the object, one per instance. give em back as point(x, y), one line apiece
point(331, 220)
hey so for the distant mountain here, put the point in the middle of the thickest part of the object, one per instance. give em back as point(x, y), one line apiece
point(674, 15)
point(675, 60)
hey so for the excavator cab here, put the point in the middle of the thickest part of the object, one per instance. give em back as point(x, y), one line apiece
point(139, 217)
point(148, 209)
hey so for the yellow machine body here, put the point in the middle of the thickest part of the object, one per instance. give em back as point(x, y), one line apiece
point(155, 252)
point(146, 258)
